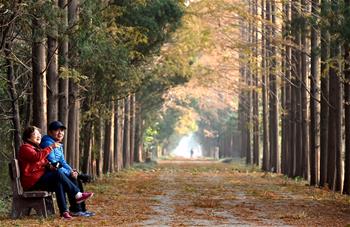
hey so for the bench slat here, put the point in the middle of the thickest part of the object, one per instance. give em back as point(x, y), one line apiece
point(31, 194)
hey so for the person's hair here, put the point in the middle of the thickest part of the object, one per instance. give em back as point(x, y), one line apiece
point(28, 132)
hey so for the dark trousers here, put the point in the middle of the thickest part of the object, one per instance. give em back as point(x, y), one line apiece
point(74, 207)
point(55, 181)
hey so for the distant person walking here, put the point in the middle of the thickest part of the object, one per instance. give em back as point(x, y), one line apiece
point(192, 152)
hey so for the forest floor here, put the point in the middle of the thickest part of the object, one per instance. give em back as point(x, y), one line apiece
point(203, 193)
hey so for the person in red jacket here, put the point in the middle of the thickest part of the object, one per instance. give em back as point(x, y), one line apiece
point(35, 174)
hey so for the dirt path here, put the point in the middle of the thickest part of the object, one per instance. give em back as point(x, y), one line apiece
point(203, 193)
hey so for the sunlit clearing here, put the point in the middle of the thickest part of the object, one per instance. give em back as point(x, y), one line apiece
point(186, 144)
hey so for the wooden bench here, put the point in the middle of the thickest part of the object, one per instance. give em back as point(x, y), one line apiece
point(24, 201)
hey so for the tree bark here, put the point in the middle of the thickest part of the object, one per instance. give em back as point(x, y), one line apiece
point(118, 134)
point(126, 133)
point(77, 136)
point(87, 133)
point(286, 129)
point(346, 188)
point(73, 89)
point(303, 88)
point(107, 145)
point(132, 127)
point(72, 126)
point(324, 113)
point(334, 120)
point(39, 80)
point(264, 66)
point(273, 95)
point(99, 145)
point(63, 62)
point(52, 76)
point(314, 130)
point(256, 153)
point(297, 106)
point(138, 134)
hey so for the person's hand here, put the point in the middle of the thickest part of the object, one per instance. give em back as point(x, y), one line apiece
point(55, 145)
point(50, 167)
point(74, 174)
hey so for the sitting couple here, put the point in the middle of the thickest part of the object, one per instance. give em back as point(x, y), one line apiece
point(35, 158)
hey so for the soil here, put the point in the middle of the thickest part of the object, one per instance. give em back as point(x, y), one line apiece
point(203, 193)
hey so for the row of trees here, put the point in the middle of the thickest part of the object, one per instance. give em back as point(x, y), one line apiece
point(295, 67)
point(90, 65)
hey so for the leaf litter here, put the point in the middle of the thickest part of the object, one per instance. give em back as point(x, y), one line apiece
point(203, 193)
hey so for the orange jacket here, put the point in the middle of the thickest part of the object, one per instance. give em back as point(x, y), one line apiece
point(32, 161)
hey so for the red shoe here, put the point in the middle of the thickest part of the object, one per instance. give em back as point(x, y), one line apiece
point(85, 196)
point(66, 216)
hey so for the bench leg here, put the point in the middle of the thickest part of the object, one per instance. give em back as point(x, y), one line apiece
point(19, 208)
point(22, 207)
point(40, 207)
point(49, 205)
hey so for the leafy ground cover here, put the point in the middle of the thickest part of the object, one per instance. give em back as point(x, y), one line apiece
point(203, 193)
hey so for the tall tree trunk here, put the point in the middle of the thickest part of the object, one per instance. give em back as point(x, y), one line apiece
point(112, 149)
point(39, 80)
point(119, 135)
point(286, 129)
point(72, 126)
point(248, 82)
point(314, 130)
point(93, 163)
point(248, 124)
point(87, 133)
point(346, 188)
point(297, 107)
point(284, 132)
point(303, 88)
point(334, 121)
point(52, 75)
point(132, 127)
point(324, 113)
point(99, 145)
point(77, 136)
point(264, 71)
point(73, 88)
point(273, 105)
point(63, 62)
point(126, 133)
point(255, 93)
point(138, 134)
point(107, 145)
point(335, 114)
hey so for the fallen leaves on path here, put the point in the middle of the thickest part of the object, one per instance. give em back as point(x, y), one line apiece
point(203, 193)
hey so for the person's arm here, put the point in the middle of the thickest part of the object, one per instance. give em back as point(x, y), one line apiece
point(29, 154)
point(57, 155)
point(66, 168)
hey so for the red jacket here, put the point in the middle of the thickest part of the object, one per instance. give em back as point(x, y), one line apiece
point(32, 161)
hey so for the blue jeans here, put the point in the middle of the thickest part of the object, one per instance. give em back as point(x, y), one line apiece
point(55, 181)
point(74, 207)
